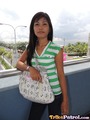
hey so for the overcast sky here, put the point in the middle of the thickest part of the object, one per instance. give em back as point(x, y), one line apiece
point(70, 18)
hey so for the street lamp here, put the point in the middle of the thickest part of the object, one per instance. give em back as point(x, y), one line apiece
point(14, 29)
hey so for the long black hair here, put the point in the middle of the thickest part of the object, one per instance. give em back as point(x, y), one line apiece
point(33, 37)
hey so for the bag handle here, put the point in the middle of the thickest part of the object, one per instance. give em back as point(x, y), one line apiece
point(40, 68)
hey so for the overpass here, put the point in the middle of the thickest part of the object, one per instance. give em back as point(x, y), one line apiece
point(14, 107)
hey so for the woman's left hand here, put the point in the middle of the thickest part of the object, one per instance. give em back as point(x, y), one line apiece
point(65, 107)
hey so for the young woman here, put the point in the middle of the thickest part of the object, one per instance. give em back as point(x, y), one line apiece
point(50, 56)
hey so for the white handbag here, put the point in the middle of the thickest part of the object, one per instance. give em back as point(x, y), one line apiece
point(36, 91)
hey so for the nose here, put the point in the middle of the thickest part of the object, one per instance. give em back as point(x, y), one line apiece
point(40, 27)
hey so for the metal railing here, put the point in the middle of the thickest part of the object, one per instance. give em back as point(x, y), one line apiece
point(15, 71)
point(76, 61)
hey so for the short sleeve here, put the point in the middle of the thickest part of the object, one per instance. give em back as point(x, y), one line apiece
point(55, 48)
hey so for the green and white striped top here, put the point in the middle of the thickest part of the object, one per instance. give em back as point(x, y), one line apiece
point(47, 60)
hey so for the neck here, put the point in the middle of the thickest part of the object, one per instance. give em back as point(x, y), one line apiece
point(42, 42)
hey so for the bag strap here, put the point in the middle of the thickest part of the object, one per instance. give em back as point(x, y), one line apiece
point(40, 68)
point(37, 63)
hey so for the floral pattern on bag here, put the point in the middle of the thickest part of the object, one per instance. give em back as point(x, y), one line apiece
point(36, 91)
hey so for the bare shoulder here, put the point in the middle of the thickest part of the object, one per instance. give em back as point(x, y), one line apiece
point(59, 58)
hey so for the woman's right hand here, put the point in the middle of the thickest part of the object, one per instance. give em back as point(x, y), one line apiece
point(35, 74)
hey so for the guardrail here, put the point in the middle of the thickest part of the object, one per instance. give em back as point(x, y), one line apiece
point(11, 72)
point(72, 62)
point(78, 84)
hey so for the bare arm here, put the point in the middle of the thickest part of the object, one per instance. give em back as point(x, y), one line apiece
point(62, 80)
point(21, 64)
point(21, 61)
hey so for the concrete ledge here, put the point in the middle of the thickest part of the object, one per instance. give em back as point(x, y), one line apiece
point(14, 107)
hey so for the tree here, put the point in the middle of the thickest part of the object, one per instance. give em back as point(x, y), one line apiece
point(10, 56)
point(21, 45)
point(2, 51)
point(79, 48)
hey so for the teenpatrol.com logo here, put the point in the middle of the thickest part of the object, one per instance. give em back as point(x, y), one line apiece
point(68, 117)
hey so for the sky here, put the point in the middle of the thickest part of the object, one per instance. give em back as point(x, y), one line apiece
point(70, 18)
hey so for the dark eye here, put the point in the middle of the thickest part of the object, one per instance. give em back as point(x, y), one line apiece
point(36, 24)
point(45, 23)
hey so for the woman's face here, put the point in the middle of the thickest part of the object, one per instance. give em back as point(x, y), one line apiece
point(41, 28)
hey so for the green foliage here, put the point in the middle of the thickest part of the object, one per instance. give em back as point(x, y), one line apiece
point(2, 50)
point(21, 45)
point(9, 55)
point(79, 48)
point(6, 66)
point(9, 45)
